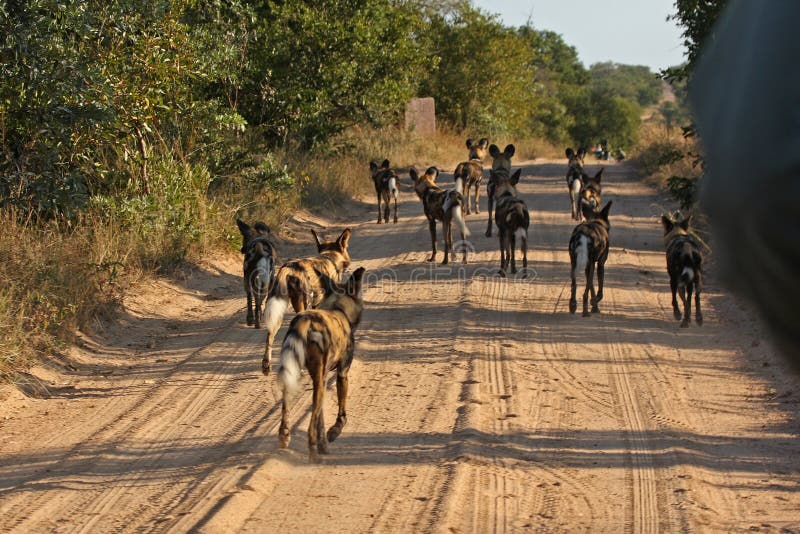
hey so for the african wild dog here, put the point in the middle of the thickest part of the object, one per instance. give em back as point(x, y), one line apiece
point(259, 266)
point(301, 282)
point(501, 170)
point(684, 265)
point(575, 179)
point(513, 220)
point(469, 174)
point(589, 246)
point(590, 194)
point(385, 180)
point(440, 205)
point(321, 340)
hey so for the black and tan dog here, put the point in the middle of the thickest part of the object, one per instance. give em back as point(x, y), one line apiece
point(590, 194)
point(501, 171)
point(684, 265)
point(321, 340)
point(302, 282)
point(513, 220)
point(589, 246)
point(469, 174)
point(575, 179)
point(259, 266)
point(385, 180)
point(440, 205)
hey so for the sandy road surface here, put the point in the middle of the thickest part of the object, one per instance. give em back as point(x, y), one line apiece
point(477, 404)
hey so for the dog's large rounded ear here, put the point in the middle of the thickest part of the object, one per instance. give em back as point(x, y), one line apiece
point(494, 151)
point(434, 171)
point(484, 142)
point(344, 239)
point(373, 165)
point(244, 228)
point(509, 150)
point(261, 228)
point(569, 152)
point(666, 222)
point(515, 177)
point(354, 282)
point(469, 143)
point(316, 238)
point(599, 175)
point(581, 152)
point(606, 209)
point(385, 164)
point(685, 223)
point(413, 173)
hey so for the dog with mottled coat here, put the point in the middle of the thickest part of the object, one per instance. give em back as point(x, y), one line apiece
point(588, 248)
point(319, 341)
point(684, 266)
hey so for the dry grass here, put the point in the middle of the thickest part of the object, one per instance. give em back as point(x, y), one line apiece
point(53, 278)
point(656, 155)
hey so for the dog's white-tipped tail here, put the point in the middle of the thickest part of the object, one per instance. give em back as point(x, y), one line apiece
point(581, 255)
point(687, 276)
point(293, 359)
point(460, 185)
point(274, 312)
point(521, 233)
point(393, 186)
point(459, 218)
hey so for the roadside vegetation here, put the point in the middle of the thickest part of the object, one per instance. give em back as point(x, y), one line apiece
point(132, 137)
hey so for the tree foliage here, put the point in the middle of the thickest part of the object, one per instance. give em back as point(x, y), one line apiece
point(95, 96)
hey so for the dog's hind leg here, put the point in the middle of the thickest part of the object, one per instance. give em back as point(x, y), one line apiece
point(284, 432)
point(395, 209)
point(386, 208)
point(512, 239)
point(478, 197)
point(682, 293)
point(249, 307)
point(379, 207)
point(432, 228)
point(342, 383)
point(523, 243)
point(573, 302)
point(490, 201)
point(688, 308)
point(698, 315)
point(317, 372)
point(673, 286)
point(589, 287)
point(447, 234)
point(601, 274)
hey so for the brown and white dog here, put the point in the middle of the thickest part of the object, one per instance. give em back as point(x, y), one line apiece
point(513, 220)
point(385, 180)
point(684, 265)
point(501, 170)
point(258, 267)
point(321, 340)
point(302, 282)
point(469, 174)
point(589, 246)
point(590, 194)
point(575, 179)
point(440, 205)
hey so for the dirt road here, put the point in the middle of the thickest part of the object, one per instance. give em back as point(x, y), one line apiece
point(478, 404)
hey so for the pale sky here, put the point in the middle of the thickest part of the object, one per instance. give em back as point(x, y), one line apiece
point(633, 32)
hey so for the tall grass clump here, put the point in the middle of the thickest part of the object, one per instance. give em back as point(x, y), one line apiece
point(667, 159)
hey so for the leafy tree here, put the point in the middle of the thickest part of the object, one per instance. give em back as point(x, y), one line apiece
point(633, 82)
point(481, 82)
point(318, 67)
